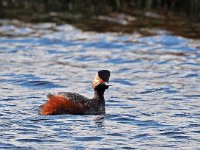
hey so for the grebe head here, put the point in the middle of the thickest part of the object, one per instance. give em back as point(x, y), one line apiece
point(100, 83)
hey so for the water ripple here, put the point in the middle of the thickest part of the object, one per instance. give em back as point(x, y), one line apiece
point(153, 102)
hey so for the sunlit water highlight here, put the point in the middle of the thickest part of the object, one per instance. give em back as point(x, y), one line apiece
point(153, 102)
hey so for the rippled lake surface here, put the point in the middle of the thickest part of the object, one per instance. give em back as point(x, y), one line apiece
point(153, 102)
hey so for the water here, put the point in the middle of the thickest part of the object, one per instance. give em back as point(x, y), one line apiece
point(153, 102)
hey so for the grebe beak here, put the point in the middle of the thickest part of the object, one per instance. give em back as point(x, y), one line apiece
point(106, 83)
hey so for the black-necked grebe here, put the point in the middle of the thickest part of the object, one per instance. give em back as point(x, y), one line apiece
point(73, 103)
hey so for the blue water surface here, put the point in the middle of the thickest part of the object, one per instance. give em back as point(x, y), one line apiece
point(153, 102)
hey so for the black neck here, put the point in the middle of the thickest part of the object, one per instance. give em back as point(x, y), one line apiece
point(99, 101)
point(99, 95)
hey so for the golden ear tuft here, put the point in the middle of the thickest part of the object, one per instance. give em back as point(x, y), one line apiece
point(97, 80)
